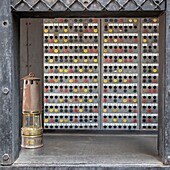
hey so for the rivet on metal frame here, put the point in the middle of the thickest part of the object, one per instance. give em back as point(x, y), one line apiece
point(5, 90)
point(5, 157)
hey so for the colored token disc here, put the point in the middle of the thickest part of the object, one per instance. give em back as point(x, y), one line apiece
point(85, 90)
point(105, 40)
point(144, 40)
point(45, 120)
point(154, 70)
point(124, 120)
point(70, 81)
point(85, 50)
point(56, 110)
point(45, 30)
point(61, 120)
point(75, 60)
point(104, 110)
point(90, 100)
point(56, 50)
point(120, 70)
point(75, 90)
point(124, 101)
point(115, 40)
point(114, 120)
point(95, 30)
point(51, 60)
point(130, 20)
point(105, 80)
point(110, 30)
point(134, 100)
point(105, 50)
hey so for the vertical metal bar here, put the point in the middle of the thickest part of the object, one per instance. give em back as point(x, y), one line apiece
point(164, 96)
point(35, 47)
point(9, 82)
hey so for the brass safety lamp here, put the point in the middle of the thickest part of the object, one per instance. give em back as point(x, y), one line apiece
point(32, 132)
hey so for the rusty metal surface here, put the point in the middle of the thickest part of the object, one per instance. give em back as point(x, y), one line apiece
point(31, 94)
point(88, 5)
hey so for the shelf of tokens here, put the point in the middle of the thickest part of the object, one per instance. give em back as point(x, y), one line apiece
point(149, 126)
point(71, 107)
point(120, 107)
point(120, 48)
point(70, 98)
point(120, 126)
point(120, 88)
point(71, 78)
point(71, 126)
point(150, 28)
point(71, 68)
point(150, 57)
point(120, 78)
point(150, 98)
point(119, 118)
point(120, 25)
point(70, 48)
point(71, 58)
point(150, 78)
point(150, 48)
point(120, 58)
point(149, 108)
point(150, 38)
point(120, 68)
point(71, 38)
point(150, 118)
point(120, 38)
point(119, 98)
point(150, 68)
point(149, 88)
point(70, 27)
point(71, 118)
point(70, 88)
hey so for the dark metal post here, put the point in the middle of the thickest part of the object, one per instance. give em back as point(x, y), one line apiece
point(9, 85)
point(164, 122)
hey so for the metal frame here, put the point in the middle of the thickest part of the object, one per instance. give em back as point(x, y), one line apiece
point(9, 75)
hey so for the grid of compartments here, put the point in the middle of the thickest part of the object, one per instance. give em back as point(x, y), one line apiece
point(150, 73)
point(71, 73)
point(127, 77)
point(120, 73)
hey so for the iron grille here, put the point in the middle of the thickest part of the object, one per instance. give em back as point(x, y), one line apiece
point(88, 5)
